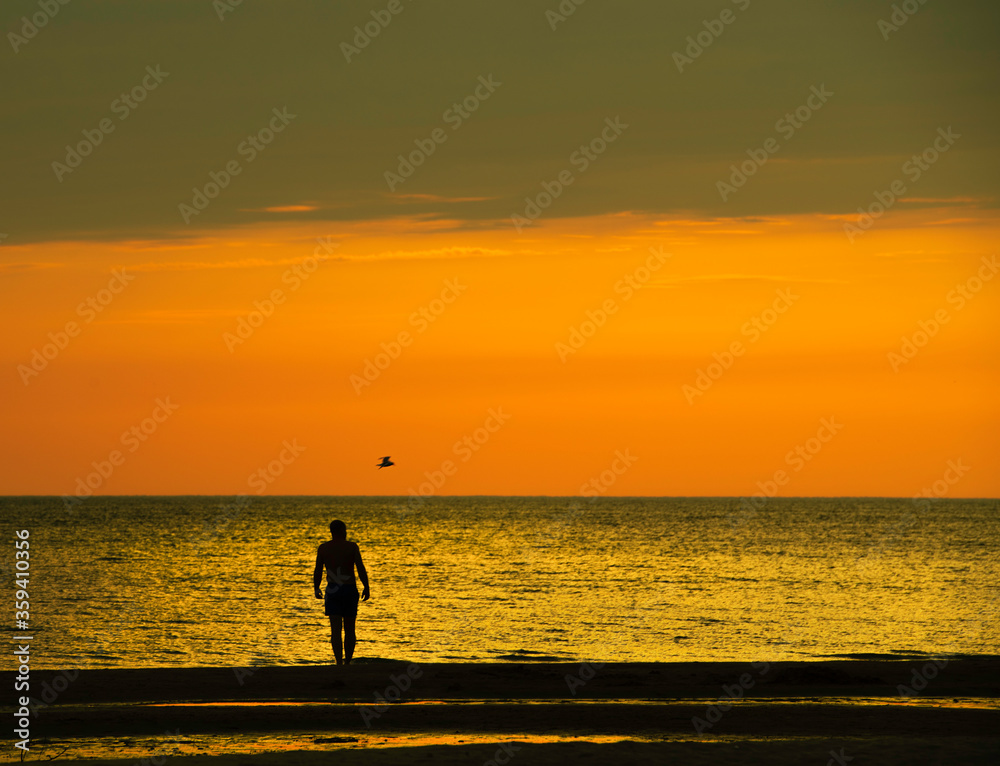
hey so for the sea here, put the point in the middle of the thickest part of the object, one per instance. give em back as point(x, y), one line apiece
point(142, 582)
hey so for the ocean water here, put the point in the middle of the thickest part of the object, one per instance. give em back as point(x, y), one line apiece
point(210, 581)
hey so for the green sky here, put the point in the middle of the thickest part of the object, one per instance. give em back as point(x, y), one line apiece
point(608, 59)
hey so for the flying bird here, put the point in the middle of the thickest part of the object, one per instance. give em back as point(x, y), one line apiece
point(386, 462)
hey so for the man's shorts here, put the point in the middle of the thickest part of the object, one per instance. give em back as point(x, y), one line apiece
point(341, 600)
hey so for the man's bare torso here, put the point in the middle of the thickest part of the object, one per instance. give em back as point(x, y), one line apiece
point(339, 558)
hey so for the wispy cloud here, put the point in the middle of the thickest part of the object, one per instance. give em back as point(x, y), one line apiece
point(699, 222)
point(911, 254)
point(440, 252)
point(435, 198)
point(17, 268)
point(946, 200)
point(710, 278)
point(245, 263)
point(949, 221)
point(286, 209)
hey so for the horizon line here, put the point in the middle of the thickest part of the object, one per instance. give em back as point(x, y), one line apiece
point(559, 497)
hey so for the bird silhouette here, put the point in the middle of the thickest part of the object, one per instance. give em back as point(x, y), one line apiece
point(386, 462)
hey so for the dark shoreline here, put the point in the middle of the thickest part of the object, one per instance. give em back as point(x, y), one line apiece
point(782, 710)
point(944, 677)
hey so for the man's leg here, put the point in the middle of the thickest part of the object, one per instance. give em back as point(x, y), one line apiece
point(335, 639)
point(350, 639)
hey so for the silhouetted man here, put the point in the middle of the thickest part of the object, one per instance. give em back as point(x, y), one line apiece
point(340, 556)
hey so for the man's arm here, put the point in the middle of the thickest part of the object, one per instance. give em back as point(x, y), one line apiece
point(362, 573)
point(318, 573)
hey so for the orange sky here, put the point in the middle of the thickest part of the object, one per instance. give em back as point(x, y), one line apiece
point(284, 143)
point(494, 347)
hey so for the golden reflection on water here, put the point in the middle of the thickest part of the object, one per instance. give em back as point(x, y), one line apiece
point(184, 582)
point(968, 703)
point(246, 744)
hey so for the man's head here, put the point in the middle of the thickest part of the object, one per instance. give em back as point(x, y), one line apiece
point(338, 529)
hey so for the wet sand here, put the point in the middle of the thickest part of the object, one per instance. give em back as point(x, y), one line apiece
point(685, 713)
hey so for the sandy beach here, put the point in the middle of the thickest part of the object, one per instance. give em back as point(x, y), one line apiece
point(382, 712)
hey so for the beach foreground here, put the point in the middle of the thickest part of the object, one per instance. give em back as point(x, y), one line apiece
point(886, 711)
